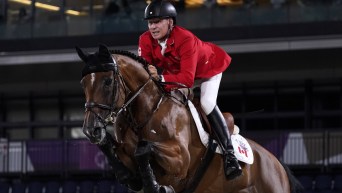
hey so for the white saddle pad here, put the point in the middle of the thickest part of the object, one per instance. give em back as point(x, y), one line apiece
point(242, 149)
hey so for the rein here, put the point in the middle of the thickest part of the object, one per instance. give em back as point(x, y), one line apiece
point(112, 116)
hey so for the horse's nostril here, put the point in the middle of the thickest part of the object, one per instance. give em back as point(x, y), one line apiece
point(95, 135)
point(97, 132)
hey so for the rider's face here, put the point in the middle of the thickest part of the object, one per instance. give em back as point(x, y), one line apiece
point(159, 27)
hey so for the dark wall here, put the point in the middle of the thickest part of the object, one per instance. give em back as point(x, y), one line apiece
point(300, 30)
point(245, 68)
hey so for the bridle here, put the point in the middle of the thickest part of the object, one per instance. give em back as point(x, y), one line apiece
point(114, 111)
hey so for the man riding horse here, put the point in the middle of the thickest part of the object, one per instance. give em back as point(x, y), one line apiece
point(155, 145)
point(185, 59)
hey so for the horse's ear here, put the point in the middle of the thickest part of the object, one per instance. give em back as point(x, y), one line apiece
point(81, 54)
point(103, 50)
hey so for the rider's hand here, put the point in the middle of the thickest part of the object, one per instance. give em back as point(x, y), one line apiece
point(153, 71)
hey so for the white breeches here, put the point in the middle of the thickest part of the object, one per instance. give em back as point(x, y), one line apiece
point(209, 90)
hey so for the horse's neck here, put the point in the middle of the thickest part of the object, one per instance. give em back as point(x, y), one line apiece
point(133, 73)
point(149, 98)
point(148, 95)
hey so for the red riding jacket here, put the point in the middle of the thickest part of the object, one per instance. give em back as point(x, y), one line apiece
point(186, 57)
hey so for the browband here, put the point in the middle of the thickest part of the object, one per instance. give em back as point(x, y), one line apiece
point(105, 67)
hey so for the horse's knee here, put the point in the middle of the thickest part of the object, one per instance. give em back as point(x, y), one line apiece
point(143, 151)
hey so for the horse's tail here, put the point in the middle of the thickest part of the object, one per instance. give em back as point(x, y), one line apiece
point(295, 185)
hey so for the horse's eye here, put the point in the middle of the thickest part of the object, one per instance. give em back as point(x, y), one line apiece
point(108, 82)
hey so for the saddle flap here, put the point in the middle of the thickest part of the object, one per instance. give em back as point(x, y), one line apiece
point(242, 149)
point(182, 95)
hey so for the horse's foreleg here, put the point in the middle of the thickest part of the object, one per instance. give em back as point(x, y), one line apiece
point(122, 173)
point(150, 184)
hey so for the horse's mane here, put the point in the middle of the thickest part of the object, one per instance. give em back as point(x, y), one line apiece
point(131, 55)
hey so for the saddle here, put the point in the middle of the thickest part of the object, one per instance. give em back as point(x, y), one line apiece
point(184, 94)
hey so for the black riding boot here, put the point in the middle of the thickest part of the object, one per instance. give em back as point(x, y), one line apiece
point(231, 165)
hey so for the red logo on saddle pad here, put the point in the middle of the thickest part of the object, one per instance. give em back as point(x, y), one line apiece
point(243, 150)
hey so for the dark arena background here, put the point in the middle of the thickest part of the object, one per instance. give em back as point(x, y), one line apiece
point(284, 85)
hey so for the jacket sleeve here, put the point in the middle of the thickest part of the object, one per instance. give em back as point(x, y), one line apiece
point(188, 63)
point(145, 48)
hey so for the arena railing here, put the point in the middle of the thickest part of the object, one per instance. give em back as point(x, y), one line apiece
point(320, 150)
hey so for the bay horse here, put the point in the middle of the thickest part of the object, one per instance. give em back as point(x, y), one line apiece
point(155, 146)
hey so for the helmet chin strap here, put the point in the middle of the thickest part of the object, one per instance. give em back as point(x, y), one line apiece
point(170, 27)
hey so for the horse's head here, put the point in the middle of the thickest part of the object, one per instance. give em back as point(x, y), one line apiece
point(99, 80)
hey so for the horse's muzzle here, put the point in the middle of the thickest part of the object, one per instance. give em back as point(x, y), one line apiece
point(96, 135)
